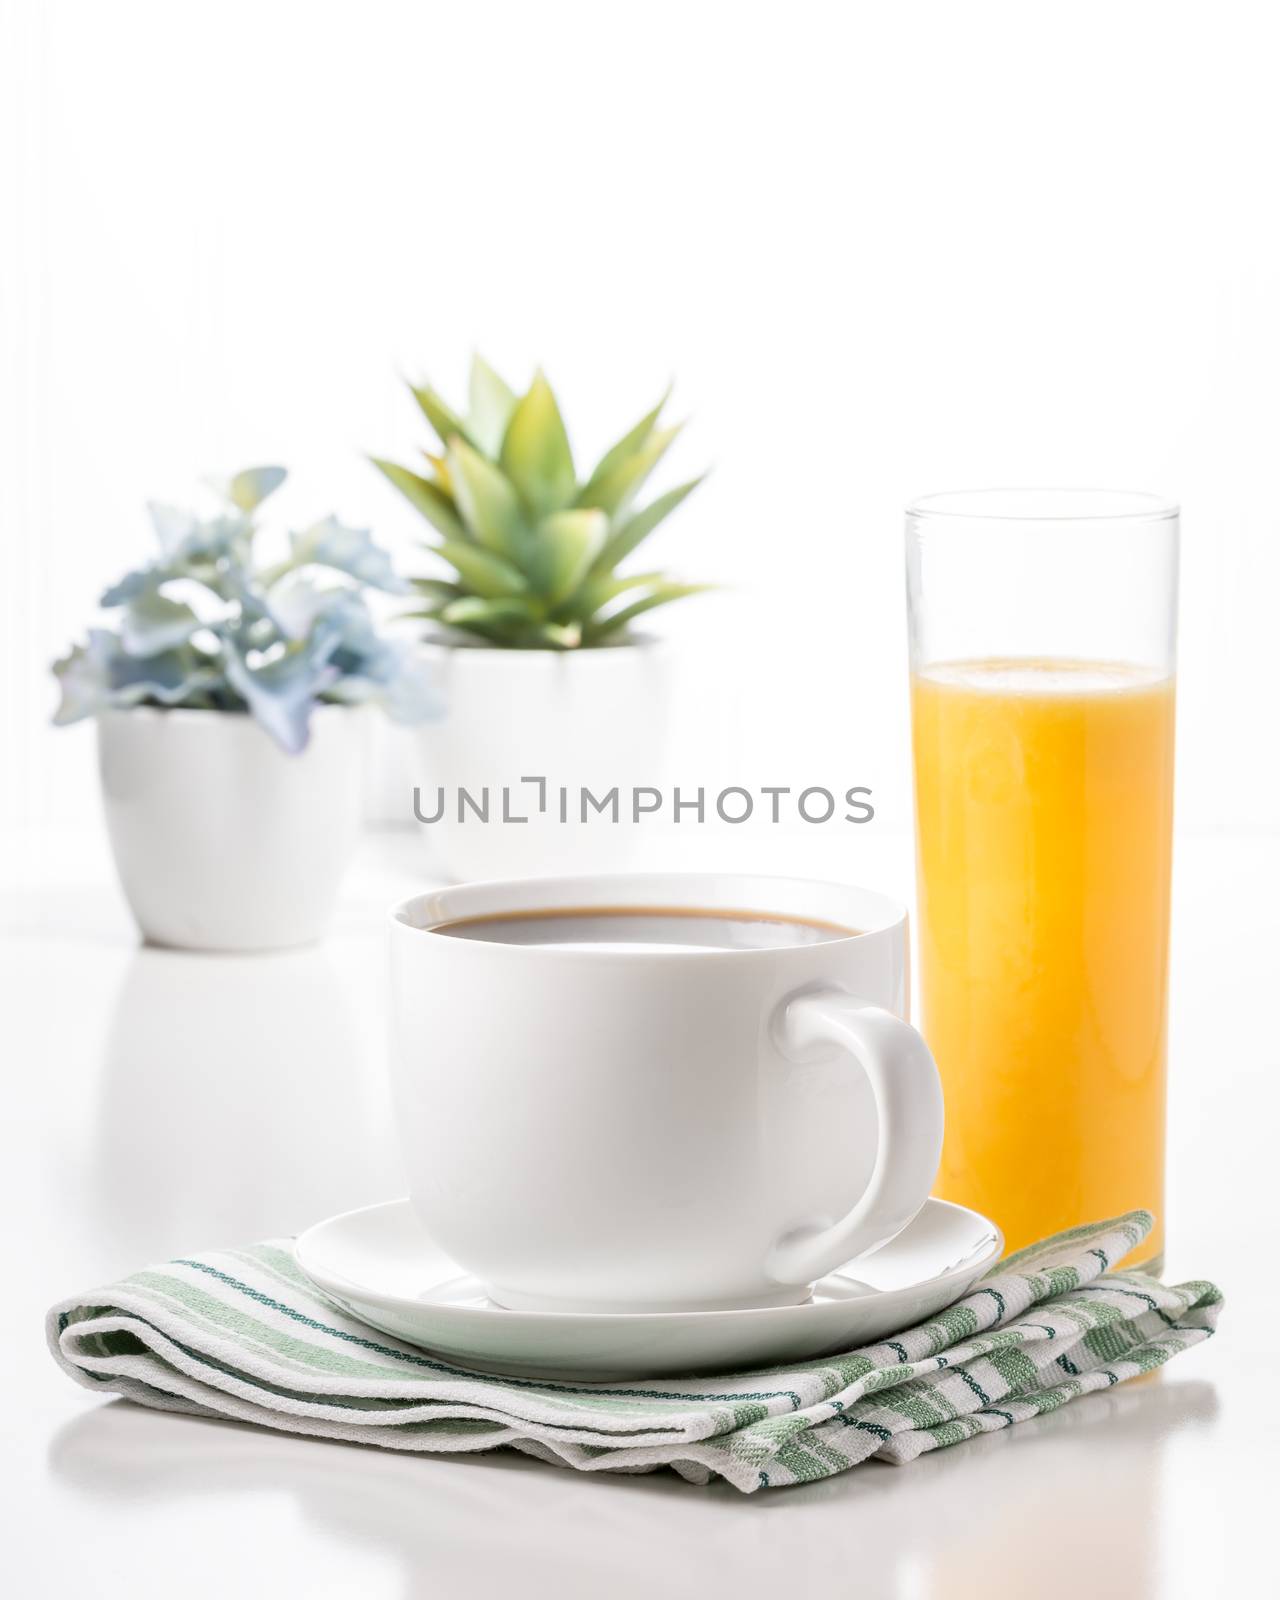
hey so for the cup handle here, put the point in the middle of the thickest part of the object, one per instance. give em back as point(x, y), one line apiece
point(908, 1097)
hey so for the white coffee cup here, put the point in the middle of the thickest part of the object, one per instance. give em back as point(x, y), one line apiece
point(626, 1129)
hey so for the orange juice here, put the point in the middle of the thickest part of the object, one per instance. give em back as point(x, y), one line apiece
point(1044, 810)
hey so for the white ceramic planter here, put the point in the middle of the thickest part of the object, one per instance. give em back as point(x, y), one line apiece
point(589, 718)
point(221, 840)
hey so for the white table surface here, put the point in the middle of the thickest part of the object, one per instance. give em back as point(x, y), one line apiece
point(158, 1102)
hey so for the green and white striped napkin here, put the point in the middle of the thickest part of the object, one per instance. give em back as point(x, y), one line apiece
point(243, 1334)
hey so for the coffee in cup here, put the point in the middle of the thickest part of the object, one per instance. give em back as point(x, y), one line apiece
point(659, 1092)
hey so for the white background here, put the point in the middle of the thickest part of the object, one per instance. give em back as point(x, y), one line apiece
point(884, 249)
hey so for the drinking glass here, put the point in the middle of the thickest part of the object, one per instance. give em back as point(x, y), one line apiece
point(1043, 628)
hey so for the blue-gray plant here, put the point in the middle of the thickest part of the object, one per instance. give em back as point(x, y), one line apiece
point(204, 626)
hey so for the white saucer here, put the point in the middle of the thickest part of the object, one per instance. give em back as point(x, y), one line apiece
point(380, 1264)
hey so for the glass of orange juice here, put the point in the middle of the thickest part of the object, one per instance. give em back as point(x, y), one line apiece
point(1043, 627)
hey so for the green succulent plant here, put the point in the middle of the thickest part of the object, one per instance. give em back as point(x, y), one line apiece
point(534, 548)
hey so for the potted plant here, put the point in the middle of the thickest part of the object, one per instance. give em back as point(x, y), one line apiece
point(532, 635)
point(230, 700)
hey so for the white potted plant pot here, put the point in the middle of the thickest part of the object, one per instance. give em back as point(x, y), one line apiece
point(221, 839)
point(555, 715)
point(577, 719)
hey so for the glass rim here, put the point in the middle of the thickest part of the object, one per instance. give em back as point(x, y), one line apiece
point(1044, 505)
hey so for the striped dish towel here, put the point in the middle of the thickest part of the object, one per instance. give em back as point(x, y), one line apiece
point(243, 1334)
